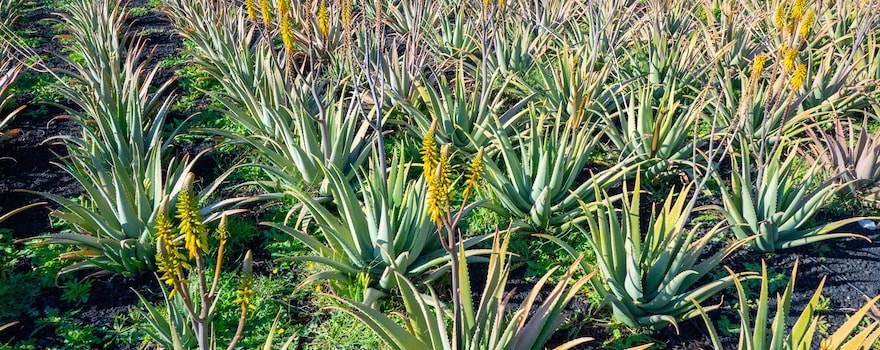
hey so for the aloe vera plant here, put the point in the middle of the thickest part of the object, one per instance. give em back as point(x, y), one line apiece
point(775, 205)
point(298, 124)
point(662, 135)
point(466, 115)
point(120, 157)
point(486, 327)
point(854, 158)
point(760, 332)
point(648, 275)
point(536, 178)
point(9, 72)
point(384, 228)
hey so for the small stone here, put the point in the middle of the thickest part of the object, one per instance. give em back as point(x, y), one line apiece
point(868, 225)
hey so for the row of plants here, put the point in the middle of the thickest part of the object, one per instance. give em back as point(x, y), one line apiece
point(382, 127)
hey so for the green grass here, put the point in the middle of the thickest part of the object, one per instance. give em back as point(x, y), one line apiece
point(340, 331)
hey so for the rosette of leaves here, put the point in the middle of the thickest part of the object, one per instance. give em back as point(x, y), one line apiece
point(298, 122)
point(383, 227)
point(659, 131)
point(489, 326)
point(760, 332)
point(121, 157)
point(854, 158)
point(649, 275)
point(539, 178)
point(769, 201)
point(468, 113)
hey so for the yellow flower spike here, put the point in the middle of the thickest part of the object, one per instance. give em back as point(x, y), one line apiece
point(164, 230)
point(807, 24)
point(324, 19)
point(345, 14)
point(222, 229)
point(285, 26)
point(167, 273)
point(266, 12)
point(169, 260)
point(780, 17)
point(195, 235)
point(429, 152)
point(797, 80)
point(474, 172)
point(788, 60)
point(251, 9)
point(798, 10)
point(443, 172)
point(245, 291)
point(439, 187)
point(758, 66)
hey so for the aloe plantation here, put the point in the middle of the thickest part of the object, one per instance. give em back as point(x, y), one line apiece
point(439, 174)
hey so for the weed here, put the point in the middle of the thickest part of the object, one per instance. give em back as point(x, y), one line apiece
point(76, 292)
point(341, 331)
point(135, 12)
point(73, 333)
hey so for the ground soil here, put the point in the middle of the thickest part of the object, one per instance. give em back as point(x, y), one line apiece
point(26, 163)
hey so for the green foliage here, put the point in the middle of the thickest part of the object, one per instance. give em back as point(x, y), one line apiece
point(775, 205)
point(649, 276)
point(853, 157)
point(485, 327)
point(19, 289)
point(342, 331)
point(367, 238)
point(72, 333)
point(76, 292)
point(42, 87)
point(120, 157)
point(759, 332)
